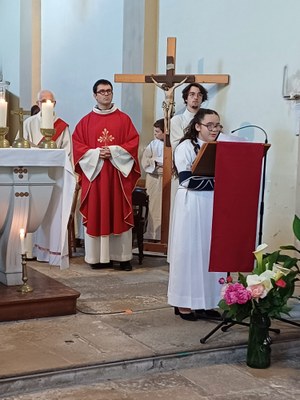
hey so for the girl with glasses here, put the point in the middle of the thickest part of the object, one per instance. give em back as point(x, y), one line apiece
point(193, 291)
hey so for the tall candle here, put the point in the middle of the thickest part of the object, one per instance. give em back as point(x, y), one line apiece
point(47, 115)
point(3, 112)
point(22, 240)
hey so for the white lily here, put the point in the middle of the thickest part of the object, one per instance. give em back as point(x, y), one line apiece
point(258, 253)
point(260, 248)
point(279, 271)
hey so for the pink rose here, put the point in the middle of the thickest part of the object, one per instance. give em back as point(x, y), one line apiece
point(243, 296)
point(236, 293)
point(257, 291)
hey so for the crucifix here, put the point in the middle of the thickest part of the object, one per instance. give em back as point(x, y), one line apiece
point(21, 142)
point(168, 82)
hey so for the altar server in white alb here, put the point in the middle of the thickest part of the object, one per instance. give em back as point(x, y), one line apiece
point(152, 163)
point(32, 126)
point(193, 290)
point(193, 96)
point(46, 243)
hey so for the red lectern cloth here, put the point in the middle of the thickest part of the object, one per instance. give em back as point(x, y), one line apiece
point(237, 186)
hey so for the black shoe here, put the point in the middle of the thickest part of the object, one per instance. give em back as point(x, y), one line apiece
point(208, 314)
point(213, 313)
point(200, 313)
point(125, 265)
point(100, 265)
point(31, 259)
point(188, 317)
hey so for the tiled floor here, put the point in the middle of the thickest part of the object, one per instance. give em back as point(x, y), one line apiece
point(125, 342)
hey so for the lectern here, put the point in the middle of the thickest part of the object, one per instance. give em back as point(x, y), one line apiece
point(34, 183)
point(236, 167)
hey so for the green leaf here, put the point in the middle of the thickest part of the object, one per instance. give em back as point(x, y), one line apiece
point(242, 279)
point(289, 247)
point(296, 227)
point(223, 305)
point(287, 261)
point(290, 262)
point(272, 258)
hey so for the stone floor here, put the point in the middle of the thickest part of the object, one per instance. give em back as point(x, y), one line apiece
point(125, 342)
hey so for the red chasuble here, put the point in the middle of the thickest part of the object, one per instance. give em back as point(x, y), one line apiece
point(237, 185)
point(106, 202)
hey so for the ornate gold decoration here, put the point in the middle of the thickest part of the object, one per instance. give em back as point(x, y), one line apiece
point(48, 143)
point(3, 142)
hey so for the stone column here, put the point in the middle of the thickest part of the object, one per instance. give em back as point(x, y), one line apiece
point(140, 57)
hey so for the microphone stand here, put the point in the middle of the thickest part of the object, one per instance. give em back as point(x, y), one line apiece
point(263, 181)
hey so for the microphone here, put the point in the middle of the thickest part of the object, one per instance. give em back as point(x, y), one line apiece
point(253, 126)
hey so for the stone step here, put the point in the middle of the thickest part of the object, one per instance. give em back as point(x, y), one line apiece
point(136, 368)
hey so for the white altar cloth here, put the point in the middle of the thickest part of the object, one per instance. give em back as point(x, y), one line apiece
point(49, 171)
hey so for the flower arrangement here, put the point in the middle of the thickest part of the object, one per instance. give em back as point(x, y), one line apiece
point(269, 286)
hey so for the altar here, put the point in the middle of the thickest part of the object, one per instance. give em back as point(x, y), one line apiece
point(36, 193)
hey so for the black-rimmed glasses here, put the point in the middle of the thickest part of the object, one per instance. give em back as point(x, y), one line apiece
point(210, 126)
point(103, 92)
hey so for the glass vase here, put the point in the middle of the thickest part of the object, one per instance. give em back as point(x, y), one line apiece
point(259, 341)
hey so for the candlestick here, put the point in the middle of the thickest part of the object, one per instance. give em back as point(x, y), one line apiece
point(22, 240)
point(47, 142)
point(3, 142)
point(47, 115)
point(25, 288)
point(3, 112)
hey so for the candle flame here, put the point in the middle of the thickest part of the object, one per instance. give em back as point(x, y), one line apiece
point(22, 232)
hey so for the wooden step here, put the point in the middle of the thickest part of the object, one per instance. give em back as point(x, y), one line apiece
point(49, 298)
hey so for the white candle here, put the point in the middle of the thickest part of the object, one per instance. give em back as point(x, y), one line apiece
point(3, 113)
point(22, 240)
point(47, 115)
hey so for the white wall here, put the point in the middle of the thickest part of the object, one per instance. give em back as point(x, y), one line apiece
point(133, 57)
point(10, 42)
point(251, 40)
point(81, 43)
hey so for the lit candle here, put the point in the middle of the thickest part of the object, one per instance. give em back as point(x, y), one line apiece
point(3, 113)
point(47, 115)
point(22, 240)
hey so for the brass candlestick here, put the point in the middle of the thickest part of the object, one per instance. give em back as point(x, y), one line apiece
point(25, 288)
point(48, 143)
point(21, 143)
point(3, 142)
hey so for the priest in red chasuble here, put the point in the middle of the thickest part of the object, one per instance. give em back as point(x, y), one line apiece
point(105, 146)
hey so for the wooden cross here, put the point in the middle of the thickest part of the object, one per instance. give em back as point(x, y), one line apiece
point(169, 79)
